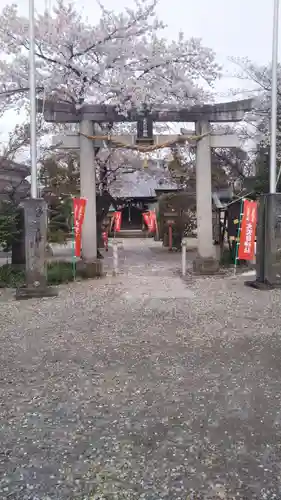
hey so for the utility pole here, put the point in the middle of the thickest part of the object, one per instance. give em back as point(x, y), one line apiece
point(32, 84)
point(274, 84)
point(268, 268)
point(34, 209)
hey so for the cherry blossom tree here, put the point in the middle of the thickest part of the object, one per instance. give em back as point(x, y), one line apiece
point(258, 78)
point(123, 59)
point(13, 188)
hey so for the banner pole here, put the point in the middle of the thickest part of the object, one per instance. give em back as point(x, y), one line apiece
point(114, 221)
point(73, 245)
point(238, 236)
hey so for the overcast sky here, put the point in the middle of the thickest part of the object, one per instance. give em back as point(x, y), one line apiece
point(230, 27)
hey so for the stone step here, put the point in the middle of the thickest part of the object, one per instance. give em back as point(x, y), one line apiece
point(131, 233)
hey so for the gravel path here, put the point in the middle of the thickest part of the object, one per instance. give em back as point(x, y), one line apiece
point(142, 387)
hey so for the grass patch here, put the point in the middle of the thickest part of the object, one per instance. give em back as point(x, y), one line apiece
point(228, 259)
point(11, 276)
point(58, 272)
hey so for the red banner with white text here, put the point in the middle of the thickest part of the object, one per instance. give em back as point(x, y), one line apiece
point(79, 207)
point(150, 220)
point(246, 250)
point(146, 219)
point(117, 221)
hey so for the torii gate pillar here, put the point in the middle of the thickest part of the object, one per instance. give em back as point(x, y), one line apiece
point(206, 261)
point(88, 191)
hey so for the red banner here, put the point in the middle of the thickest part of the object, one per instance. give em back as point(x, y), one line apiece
point(146, 218)
point(248, 227)
point(117, 221)
point(150, 220)
point(79, 207)
point(152, 224)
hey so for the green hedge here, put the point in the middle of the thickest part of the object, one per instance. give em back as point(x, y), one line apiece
point(57, 272)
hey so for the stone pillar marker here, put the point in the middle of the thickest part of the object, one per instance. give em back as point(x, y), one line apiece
point(92, 266)
point(205, 262)
point(88, 191)
point(35, 234)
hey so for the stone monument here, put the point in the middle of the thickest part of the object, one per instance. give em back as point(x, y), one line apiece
point(35, 230)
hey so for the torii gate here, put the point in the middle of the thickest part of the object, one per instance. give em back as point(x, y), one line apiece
point(88, 115)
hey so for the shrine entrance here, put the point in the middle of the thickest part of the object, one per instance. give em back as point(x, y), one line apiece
point(132, 216)
point(205, 137)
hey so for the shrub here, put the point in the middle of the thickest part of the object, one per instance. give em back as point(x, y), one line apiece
point(57, 272)
point(11, 276)
point(228, 259)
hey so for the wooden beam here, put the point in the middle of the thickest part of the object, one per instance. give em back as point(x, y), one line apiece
point(71, 141)
point(67, 113)
point(219, 139)
point(225, 141)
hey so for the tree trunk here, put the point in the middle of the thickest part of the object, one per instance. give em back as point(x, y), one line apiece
point(103, 179)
